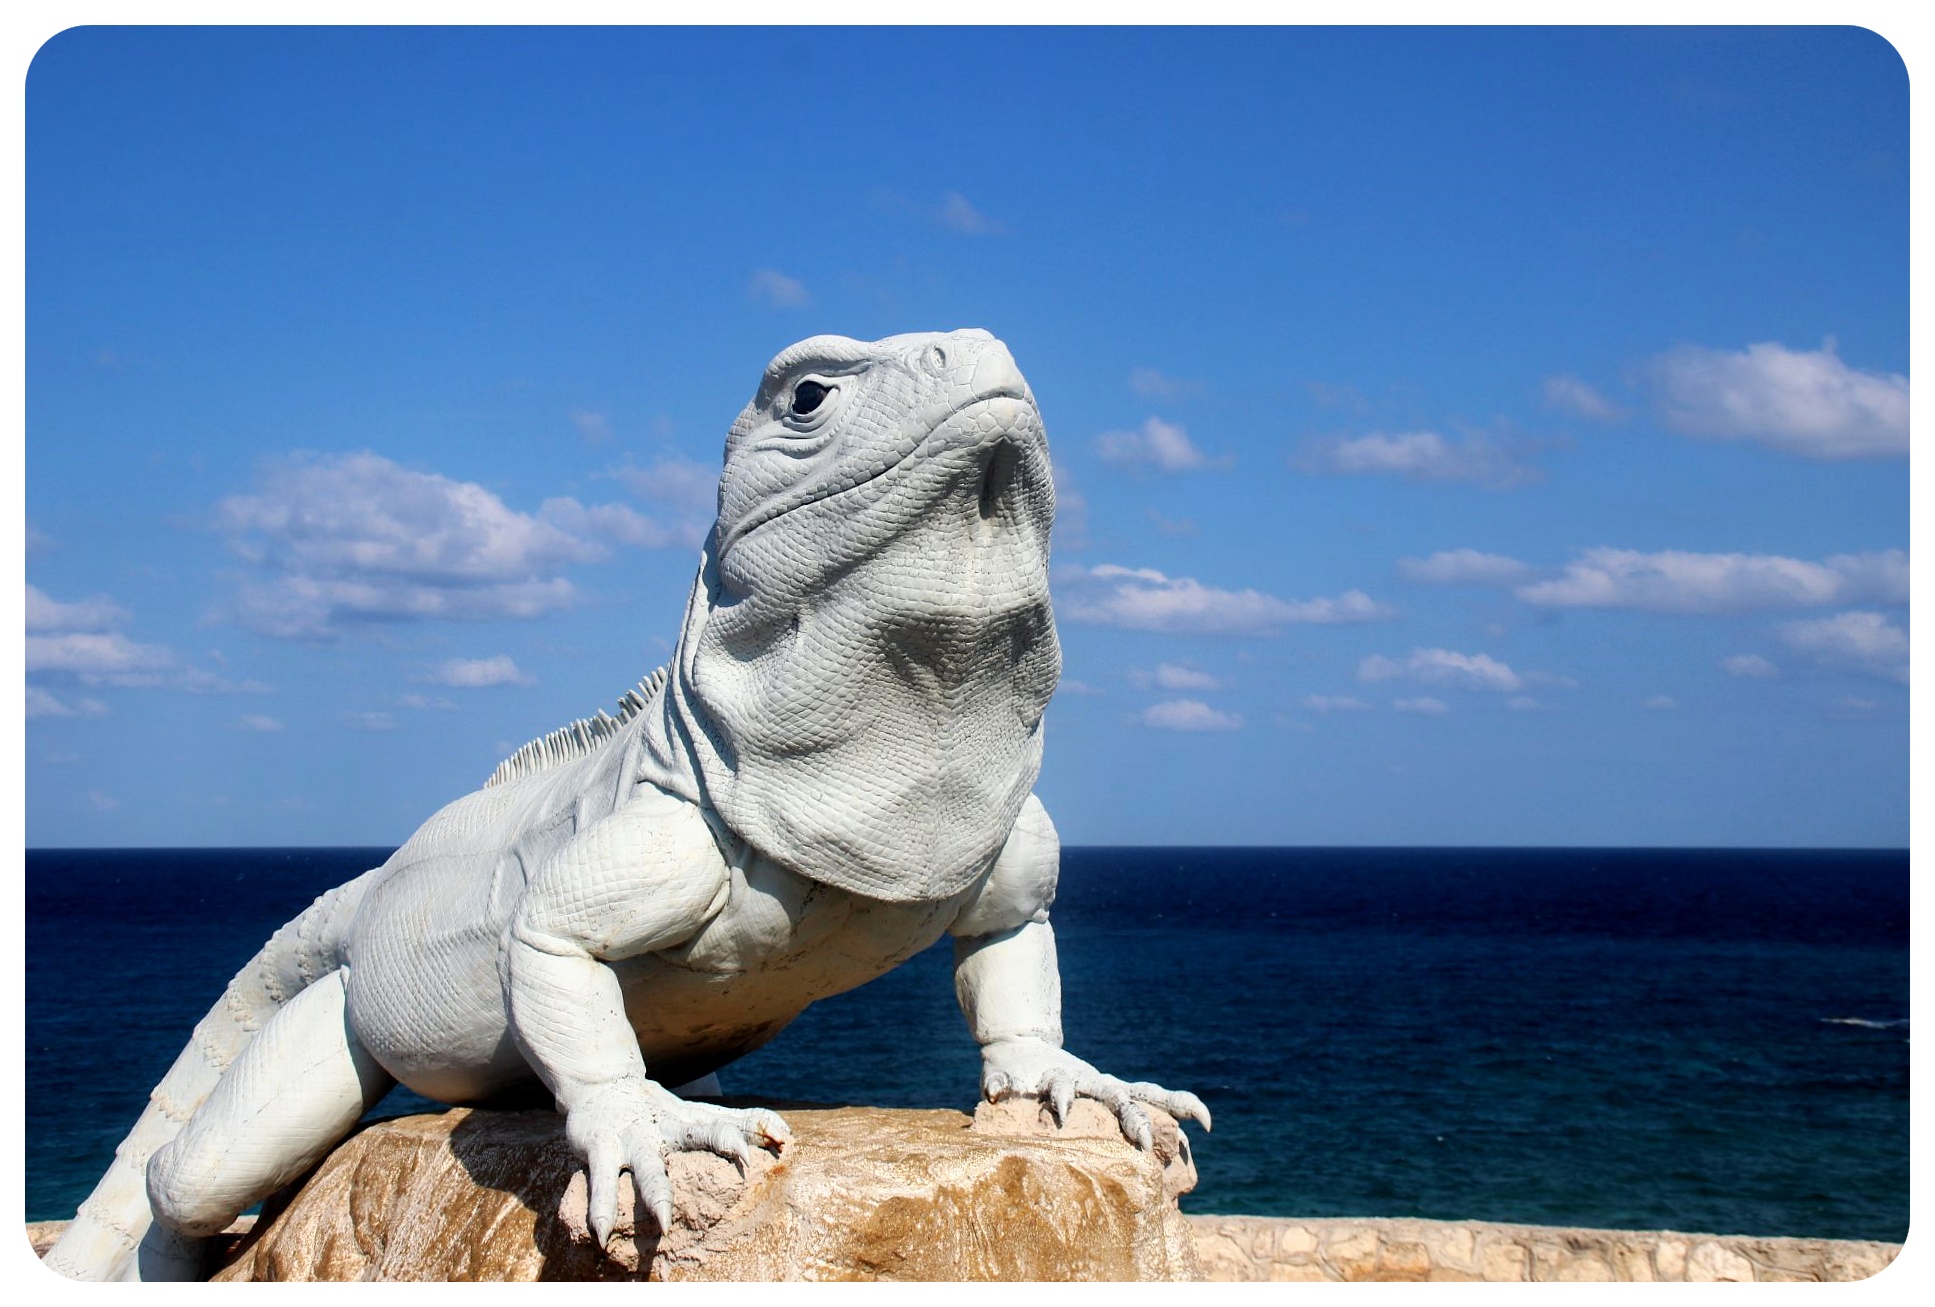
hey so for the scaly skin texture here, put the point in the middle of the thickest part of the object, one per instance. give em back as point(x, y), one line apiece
point(837, 770)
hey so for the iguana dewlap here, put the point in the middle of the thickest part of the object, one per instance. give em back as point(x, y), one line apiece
point(835, 769)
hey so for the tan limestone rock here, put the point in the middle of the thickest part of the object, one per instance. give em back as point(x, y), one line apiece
point(858, 1194)
point(1255, 1248)
point(1712, 1261)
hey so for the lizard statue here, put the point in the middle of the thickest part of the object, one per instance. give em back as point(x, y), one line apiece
point(836, 768)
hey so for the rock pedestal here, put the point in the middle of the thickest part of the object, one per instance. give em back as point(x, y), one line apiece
point(858, 1194)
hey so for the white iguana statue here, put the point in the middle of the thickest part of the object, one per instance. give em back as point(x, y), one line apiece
point(835, 769)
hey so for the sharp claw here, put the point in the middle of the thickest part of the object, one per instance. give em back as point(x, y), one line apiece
point(1184, 1103)
point(601, 1229)
point(662, 1214)
point(1063, 1095)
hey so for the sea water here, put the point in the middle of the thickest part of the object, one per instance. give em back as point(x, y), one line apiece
point(1701, 1040)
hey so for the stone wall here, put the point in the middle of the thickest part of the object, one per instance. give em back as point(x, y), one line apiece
point(1262, 1248)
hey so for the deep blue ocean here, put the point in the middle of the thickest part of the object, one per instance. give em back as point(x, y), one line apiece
point(1702, 1040)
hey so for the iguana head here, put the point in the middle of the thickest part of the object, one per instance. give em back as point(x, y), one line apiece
point(869, 647)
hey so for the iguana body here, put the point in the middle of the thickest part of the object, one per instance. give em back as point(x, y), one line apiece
point(835, 770)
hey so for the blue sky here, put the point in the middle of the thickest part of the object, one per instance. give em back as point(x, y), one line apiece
point(1465, 436)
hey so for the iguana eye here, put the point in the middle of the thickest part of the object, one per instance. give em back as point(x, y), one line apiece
point(807, 396)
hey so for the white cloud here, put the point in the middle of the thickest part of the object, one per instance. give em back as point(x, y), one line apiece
point(1865, 642)
point(1334, 703)
point(96, 613)
point(956, 214)
point(1463, 567)
point(778, 290)
point(1069, 685)
point(1422, 704)
point(1142, 599)
point(1660, 702)
point(102, 802)
point(1442, 667)
point(42, 704)
point(1159, 445)
point(1189, 715)
point(1752, 665)
point(1850, 703)
point(425, 702)
point(1674, 581)
point(682, 483)
point(68, 640)
point(480, 673)
point(370, 721)
point(1418, 456)
point(1805, 402)
point(356, 537)
point(1157, 385)
point(256, 721)
point(1571, 395)
point(687, 490)
point(1071, 509)
point(620, 523)
point(1173, 676)
point(95, 656)
point(594, 427)
point(1524, 703)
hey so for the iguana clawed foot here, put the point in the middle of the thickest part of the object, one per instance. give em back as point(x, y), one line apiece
point(1027, 1067)
point(633, 1125)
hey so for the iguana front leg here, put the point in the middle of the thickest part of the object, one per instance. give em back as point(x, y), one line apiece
point(1010, 990)
point(1009, 985)
point(645, 878)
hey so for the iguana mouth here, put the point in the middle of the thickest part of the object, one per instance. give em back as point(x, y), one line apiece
point(998, 469)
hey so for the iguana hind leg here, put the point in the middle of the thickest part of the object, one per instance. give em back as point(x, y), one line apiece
point(296, 1090)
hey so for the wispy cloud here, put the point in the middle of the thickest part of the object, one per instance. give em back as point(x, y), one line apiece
point(96, 613)
point(479, 673)
point(1418, 456)
point(1423, 704)
point(42, 703)
point(777, 289)
point(1859, 641)
point(681, 483)
point(354, 538)
point(259, 722)
point(1071, 509)
point(1442, 667)
point(1660, 703)
point(1160, 385)
point(1173, 676)
point(1675, 581)
point(1328, 703)
point(1571, 395)
point(683, 491)
point(1807, 402)
point(620, 524)
point(1749, 665)
point(1161, 446)
point(1463, 567)
point(69, 641)
point(1142, 599)
point(370, 721)
point(594, 427)
point(956, 214)
point(1189, 715)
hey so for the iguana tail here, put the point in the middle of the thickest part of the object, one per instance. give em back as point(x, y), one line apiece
point(113, 1236)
